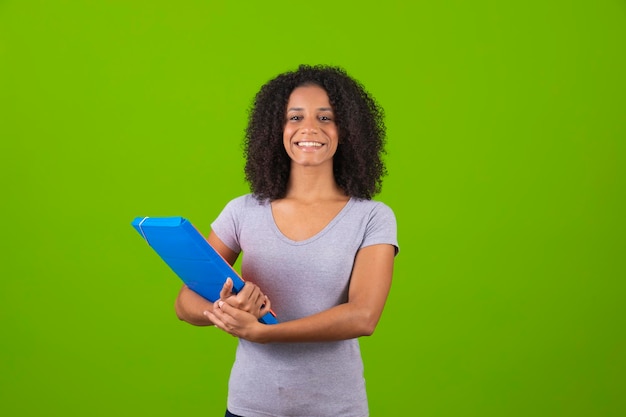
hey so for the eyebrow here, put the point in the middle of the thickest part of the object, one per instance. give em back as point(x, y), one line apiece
point(319, 109)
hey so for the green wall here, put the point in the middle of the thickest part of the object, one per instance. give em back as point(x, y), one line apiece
point(506, 156)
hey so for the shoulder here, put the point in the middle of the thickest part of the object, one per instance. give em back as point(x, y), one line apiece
point(244, 202)
point(379, 221)
point(244, 206)
point(374, 208)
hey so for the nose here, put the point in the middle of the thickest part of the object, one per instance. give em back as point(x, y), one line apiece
point(309, 125)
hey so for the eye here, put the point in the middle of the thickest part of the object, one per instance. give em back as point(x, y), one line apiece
point(326, 118)
point(295, 118)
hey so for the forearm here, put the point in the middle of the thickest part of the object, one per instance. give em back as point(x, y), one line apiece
point(190, 307)
point(345, 321)
point(338, 323)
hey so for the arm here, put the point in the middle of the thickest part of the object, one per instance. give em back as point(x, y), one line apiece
point(369, 286)
point(190, 306)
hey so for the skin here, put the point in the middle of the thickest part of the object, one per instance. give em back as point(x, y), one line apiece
point(312, 200)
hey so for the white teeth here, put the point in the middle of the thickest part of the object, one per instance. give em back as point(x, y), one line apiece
point(309, 144)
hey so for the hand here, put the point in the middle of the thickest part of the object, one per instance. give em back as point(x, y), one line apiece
point(249, 299)
point(236, 322)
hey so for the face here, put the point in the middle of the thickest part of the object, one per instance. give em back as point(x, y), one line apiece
point(310, 134)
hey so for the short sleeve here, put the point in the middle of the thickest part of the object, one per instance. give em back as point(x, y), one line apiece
point(381, 227)
point(227, 224)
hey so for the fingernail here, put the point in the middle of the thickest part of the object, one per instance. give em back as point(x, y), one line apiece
point(220, 303)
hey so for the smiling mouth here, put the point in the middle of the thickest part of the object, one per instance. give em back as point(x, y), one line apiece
point(309, 144)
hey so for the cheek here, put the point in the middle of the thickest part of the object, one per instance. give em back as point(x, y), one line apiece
point(287, 132)
point(287, 141)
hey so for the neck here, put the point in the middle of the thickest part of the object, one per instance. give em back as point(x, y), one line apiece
point(312, 184)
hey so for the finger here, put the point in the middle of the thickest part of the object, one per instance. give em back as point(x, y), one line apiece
point(247, 292)
point(266, 306)
point(254, 295)
point(247, 299)
point(214, 319)
point(256, 301)
point(261, 306)
point(224, 309)
point(227, 289)
point(261, 301)
point(239, 300)
point(219, 317)
point(219, 310)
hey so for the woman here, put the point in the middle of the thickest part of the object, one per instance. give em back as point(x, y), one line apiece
point(314, 243)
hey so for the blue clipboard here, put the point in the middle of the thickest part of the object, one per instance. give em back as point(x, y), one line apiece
point(191, 257)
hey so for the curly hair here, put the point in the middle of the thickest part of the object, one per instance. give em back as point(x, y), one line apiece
point(358, 165)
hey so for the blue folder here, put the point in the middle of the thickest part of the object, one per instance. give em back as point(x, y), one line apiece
point(191, 257)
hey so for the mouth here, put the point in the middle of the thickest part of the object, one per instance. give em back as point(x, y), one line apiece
point(309, 144)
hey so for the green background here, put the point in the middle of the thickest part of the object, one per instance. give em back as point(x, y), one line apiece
point(506, 156)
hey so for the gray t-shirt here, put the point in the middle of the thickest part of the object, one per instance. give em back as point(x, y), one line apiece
point(301, 278)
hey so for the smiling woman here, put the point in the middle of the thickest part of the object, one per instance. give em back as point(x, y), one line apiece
point(315, 246)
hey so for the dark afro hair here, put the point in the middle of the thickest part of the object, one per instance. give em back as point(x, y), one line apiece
point(358, 164)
